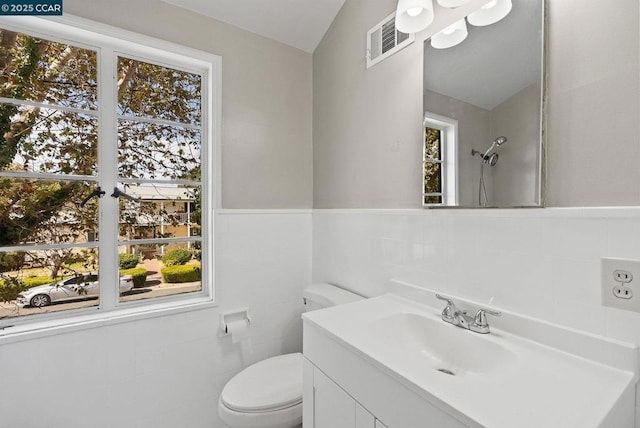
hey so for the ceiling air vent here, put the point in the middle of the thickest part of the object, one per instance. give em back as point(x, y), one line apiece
point(383, 40)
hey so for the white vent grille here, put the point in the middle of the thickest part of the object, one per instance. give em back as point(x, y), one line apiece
point(383, 40)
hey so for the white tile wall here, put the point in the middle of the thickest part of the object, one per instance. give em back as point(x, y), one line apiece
point(540, 262)
point(168, 372)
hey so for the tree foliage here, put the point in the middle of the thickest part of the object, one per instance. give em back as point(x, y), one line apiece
point(432, 170)
point(39, 139)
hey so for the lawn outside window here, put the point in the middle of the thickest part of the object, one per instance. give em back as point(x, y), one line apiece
point(107, 149)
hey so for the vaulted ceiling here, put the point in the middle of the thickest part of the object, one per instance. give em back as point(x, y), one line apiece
point(298, 23)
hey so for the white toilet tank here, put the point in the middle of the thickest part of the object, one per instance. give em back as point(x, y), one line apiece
point(323, 295)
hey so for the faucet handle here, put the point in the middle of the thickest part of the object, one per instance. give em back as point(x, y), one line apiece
point(480, 319)
point(446, 299)
point(448, 313)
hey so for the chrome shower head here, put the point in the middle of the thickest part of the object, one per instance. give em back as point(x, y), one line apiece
point(497, 142)
point(500, 141)
point(487, 157)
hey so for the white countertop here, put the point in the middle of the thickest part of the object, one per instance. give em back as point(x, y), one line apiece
point(531, 385)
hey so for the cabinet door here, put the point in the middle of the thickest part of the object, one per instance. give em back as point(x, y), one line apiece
point(307, 393)
point(364, 419)
point(332, 407)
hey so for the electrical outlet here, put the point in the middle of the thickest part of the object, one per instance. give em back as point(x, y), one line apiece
point(620, 279)
point(622, 292)
point(622, 276)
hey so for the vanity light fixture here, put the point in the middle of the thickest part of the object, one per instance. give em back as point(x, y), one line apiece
point(452, 3)
point(451, 36)
point(413, 16)
point(490, 13)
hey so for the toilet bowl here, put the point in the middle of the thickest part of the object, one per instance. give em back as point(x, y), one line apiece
point(268, 394)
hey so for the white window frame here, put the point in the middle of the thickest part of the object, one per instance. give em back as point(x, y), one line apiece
point(109, 42)
point(448, 128)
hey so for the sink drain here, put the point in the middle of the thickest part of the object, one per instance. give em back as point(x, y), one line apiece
point(445, 371)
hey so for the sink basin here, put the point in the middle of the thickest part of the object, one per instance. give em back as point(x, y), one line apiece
point(446, 348)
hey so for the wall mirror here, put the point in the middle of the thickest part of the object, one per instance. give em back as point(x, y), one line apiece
point(483, 121)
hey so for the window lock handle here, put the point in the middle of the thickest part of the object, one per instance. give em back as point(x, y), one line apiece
point(117, 193)
point(95, 194)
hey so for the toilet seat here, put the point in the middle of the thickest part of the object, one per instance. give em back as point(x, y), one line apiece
point(290, 417)
point(268, 393)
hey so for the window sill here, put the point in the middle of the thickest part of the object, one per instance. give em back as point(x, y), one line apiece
point(30, 331)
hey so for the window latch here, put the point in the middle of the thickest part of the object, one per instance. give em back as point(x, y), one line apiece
point(95, 194)
point(117, 193)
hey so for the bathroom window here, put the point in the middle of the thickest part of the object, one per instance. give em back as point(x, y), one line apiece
point(439, 160)
point(106, 149)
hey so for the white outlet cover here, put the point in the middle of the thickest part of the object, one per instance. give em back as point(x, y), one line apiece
point(607, 279)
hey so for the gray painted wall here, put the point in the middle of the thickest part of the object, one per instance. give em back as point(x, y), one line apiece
point(515, 176)
point(367, 123)
point(266, 99)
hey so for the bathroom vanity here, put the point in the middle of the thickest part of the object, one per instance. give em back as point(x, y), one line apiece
point(391, 361)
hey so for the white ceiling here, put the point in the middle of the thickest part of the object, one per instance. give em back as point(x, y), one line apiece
point(298, 23)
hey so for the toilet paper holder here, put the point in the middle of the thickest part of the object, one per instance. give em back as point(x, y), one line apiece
point(232, 316)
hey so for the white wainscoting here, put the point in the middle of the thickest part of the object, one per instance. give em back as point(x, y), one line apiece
point(167, 372)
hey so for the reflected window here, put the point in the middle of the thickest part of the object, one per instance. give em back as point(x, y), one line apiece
point(439, 169)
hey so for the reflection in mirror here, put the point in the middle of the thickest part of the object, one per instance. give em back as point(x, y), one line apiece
point(483, 114)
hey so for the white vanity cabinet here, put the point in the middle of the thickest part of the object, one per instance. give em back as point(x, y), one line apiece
point(326, 405)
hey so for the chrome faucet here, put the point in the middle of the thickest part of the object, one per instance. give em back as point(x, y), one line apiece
point(454, 315)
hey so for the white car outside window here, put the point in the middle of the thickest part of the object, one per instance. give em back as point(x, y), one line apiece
point(78, 287)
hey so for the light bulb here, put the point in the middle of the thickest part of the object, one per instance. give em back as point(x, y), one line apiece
point(413, 16)
point(452, 3)
point(490, 5)
point(451, 36)
point(490, 13)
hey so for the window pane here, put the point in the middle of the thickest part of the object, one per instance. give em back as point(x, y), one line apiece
point(437, 199)
point(149, 90)
point(46, 212)
point(162, 269)
point(44, 71)
point(163, 212)
point(432, 177)
point(432, 143)
point(48, 141)
point(36, 282)
point(152, 151)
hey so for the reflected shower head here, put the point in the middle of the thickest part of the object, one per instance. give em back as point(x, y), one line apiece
point(497, 142)
point(500, 140)
point(492, 159)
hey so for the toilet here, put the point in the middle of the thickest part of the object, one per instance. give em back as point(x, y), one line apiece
point(268, 394)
